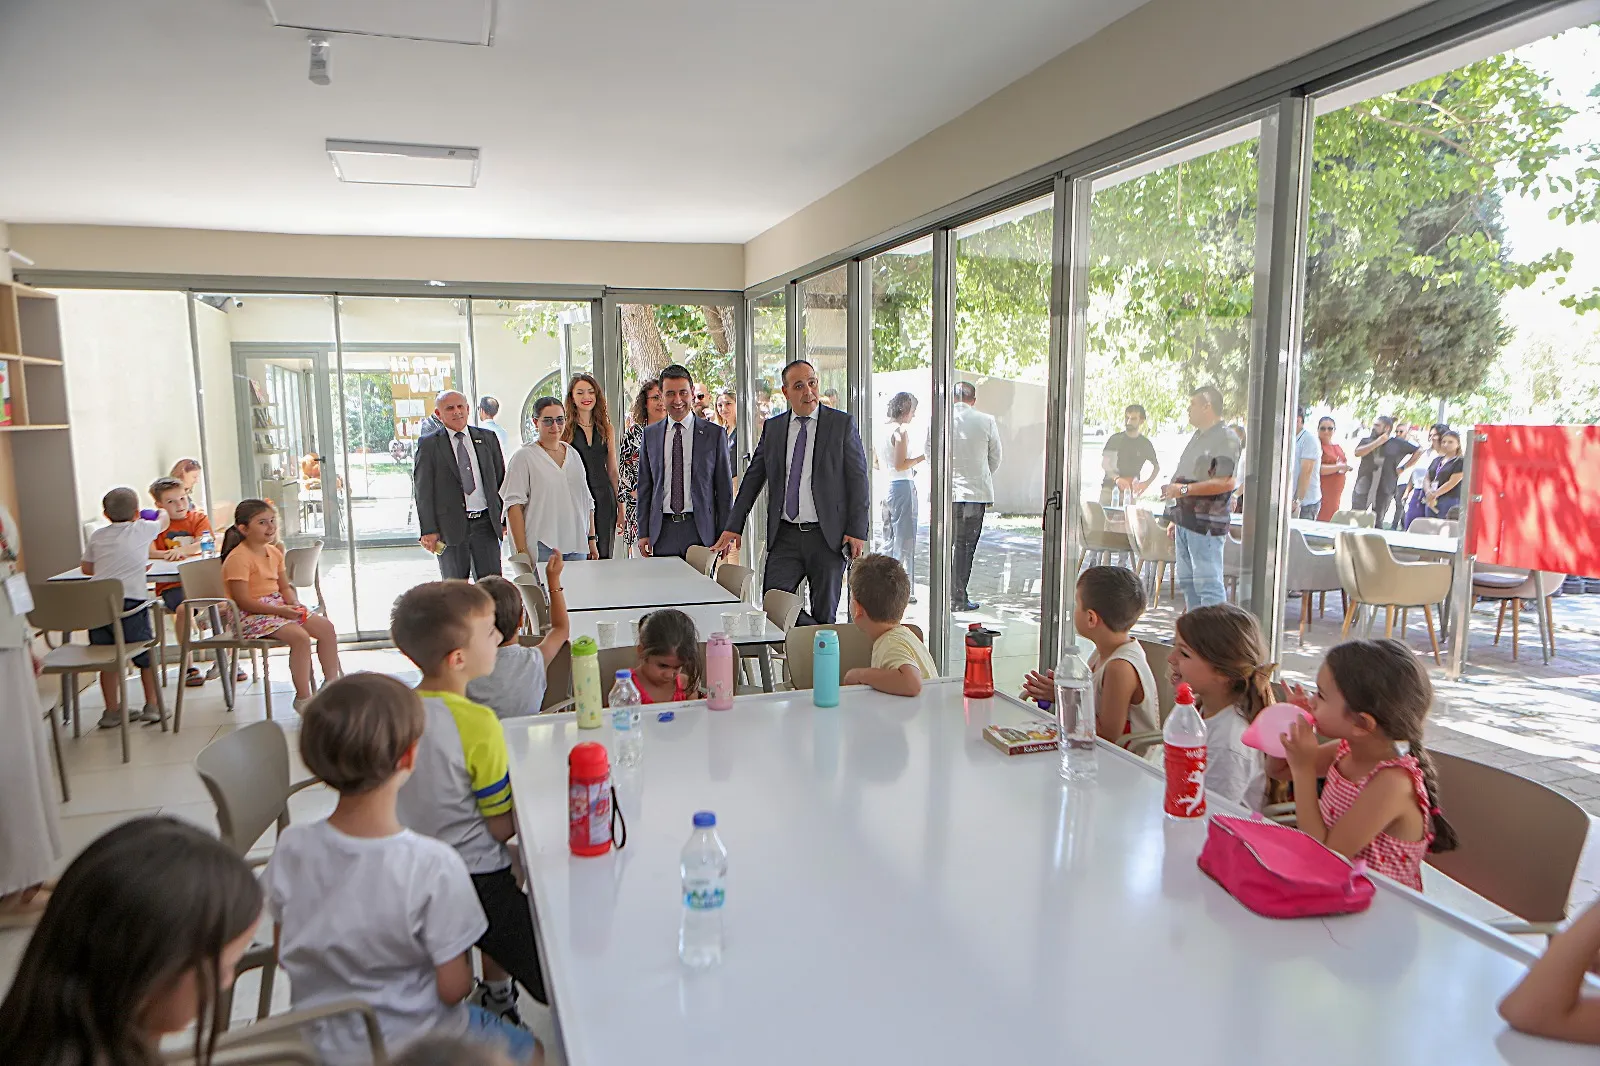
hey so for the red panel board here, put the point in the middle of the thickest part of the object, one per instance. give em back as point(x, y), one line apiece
point(1540, 498)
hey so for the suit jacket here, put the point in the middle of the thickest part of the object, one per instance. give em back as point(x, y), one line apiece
point(839, 484)
point(436, 483)
point(710, 480)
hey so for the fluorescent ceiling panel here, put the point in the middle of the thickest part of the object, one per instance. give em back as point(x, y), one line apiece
point(377, 163)
point(449, 21)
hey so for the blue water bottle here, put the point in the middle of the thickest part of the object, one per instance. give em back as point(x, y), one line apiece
point(825, 669)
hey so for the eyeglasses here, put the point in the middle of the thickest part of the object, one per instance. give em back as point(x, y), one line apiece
point(553, 420)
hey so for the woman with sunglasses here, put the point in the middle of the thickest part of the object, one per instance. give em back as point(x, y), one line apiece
point(546, 492)
point(1335, 467)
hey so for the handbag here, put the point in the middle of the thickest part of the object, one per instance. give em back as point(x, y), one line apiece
point(1279, 872)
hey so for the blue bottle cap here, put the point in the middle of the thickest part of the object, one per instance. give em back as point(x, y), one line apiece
point(666, 716)
point(624, 674)
point(704, 819)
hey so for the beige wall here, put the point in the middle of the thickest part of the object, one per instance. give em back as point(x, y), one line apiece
point(182, 251)
point(221, 412)
point(1166, 54)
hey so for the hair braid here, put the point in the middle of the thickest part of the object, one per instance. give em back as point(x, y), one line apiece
point(1444, 834)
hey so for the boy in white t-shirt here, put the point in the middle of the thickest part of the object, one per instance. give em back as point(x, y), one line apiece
point(121, 551)
point(516, 686)
point(366, 908)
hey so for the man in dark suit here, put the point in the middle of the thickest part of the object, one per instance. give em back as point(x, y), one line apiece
point(456, 482)
point(817, 509)
point(685, 475)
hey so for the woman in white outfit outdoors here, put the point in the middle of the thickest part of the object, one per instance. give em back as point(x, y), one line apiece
point(899, 517)
point(30, 837)
point(546, 492)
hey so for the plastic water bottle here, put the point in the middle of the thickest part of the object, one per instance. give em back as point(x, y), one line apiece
point(1184, 740)
point(208, 543)
point(1075, 716)
point(626, 720)
point(704, 864)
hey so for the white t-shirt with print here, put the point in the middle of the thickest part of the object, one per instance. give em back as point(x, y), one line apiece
point(121, 551)
point(370, 918)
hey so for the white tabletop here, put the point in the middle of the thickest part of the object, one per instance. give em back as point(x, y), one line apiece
point(155, 570)
point(707, 619)
point(1428, 543)
point(601, 584)
point(901, 892)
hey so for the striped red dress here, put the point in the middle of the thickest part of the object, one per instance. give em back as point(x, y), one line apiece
point(1399, 859)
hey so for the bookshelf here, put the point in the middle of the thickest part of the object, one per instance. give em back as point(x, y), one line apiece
point(33, 393)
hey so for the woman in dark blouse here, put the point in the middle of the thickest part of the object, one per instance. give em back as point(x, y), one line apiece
point(1444, 476)
point(589, 431)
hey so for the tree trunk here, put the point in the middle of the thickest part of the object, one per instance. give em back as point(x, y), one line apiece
point(643, 346)
point(721, 325)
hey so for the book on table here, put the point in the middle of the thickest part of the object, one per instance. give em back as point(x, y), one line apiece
point(1023, 737)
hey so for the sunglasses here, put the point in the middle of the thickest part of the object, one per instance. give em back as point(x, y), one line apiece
point(556, 420)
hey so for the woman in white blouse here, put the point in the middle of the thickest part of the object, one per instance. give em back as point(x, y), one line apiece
point(546, 492)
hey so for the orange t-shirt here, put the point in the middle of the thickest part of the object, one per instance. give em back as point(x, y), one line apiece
point(260, 573)
point(180, 534)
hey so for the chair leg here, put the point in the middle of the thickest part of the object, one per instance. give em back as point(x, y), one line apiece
point(77, 710)
point(1500, 622)
point(1516, 627)
point(1157, 599)
point(1303, 619)
point(1402, 637)
point(55, 742)
point(1542, 624)
point(266, 682)
point(122, 690)
point(1350, 609)
point(1388, 622)
point(1427, 613)
point(1550, 623)
point(264, 997)
point(1322, 604)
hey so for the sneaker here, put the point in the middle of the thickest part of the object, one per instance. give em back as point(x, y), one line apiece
point(502, 1007)
point(110, 720)
point(149, 716)
point(193, 679)
point(300, 703)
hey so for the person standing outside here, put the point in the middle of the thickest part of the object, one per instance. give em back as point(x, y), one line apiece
point(685, 475)
point(1381, 454)
point(900, 505)
point(488, 409)
point(727, 417)
point(1412, 502)
point(456, 484)
point(1201, 492)
point(817, 511)
point(1444, 476)
point(1334, 468)
point(1124, 457)
point(974, 458)
point(590, 433)
point(1307, 461)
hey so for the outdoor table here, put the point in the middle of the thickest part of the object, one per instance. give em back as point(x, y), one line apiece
point(603, 584)
point(901, 891)
point(1435, 544)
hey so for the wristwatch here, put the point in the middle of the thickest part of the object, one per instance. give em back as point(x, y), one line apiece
point(1183, 490)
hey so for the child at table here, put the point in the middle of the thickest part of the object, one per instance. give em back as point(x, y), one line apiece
point(516, 686)
point(179, 541)
point(667, 669)
point(365, 907)
point(1218, 651)
point(1110, 599)
point(254, 575)
point(1552, 999)
point(460, 790)
point(1376, 806)
point(121, 551)
point(879, 593)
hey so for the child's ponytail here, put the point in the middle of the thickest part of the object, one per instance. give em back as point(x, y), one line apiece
point(1229, 639)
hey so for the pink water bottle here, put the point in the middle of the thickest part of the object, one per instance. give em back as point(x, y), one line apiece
point(719, 672)
point(1184, 741)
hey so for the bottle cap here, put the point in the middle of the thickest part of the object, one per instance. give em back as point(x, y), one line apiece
point(624, 675)
point(1183, 694)
point(705, 819)
point(585, 646)
point(589, 760)
point(827, 639)
point(979, 637)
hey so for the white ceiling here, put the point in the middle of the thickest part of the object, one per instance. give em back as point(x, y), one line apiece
point(640, 120)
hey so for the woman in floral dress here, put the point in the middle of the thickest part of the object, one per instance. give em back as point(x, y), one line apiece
point(648, 409)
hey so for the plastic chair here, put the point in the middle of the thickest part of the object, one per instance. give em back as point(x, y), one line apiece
point(520, 564)
point(301, 565)
point(1520, 841)
point(1385, 582)
point(854, 650)
point(1439, 527)
point(1513, 587)
point(246, 773)
point(203, 590)
point(1359, 519)
point(1344, 561)
point(1157, 653)
point(1097, 534)
point(736, 579)
point(702, 559)
point(1151, 545)
point(1310, 571)
point(614, 659)
point(281, 1041)
point(782, 609)
point(534, 601)
point(557, 678)
point(66, 607)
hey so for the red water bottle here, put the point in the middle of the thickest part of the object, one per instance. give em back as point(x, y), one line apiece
point(978, 683)
point(591, 801)
point(1184, 743)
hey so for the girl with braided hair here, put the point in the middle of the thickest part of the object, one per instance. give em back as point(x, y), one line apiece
point(1378, 805)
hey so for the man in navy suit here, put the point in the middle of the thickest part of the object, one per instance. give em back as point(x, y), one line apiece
point(685, 476)
point(817, 509)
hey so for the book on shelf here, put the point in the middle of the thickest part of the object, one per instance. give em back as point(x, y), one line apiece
point(257, 396)
point(1021, 739)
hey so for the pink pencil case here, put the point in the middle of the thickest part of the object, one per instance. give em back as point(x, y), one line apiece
point(1279, 872)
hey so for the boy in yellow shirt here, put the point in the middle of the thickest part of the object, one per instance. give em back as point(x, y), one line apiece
point(879, 592)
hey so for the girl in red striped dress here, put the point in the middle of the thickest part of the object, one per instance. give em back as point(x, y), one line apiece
point(1378, 805)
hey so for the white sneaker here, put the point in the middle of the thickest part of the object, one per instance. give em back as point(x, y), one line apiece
point(149, 716)
point(300, 703)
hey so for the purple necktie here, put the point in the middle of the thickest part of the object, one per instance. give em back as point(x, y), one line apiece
point(791, 496)
point(677, 468)
point(464, 464)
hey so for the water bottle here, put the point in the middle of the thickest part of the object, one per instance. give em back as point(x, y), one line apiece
point(825, 669)
point(704, 865)
point(719, 673)
point(1184, 744)
point(586, 682)
point(978, 681)
point(208, 543)
point(626, 720)
point(1075, 716)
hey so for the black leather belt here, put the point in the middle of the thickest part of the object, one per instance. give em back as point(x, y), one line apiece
point(473, 516)
point(804, 527)
point(682, 516)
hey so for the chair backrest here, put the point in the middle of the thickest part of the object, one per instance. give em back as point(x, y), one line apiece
point(301, 564)
point(1137, 522)
point(782, 608)
point(1430, 526)
point(247, 774)
point(1344, 557)
point(736, 579)
point(702, 559)
point(1159, 653)
point(70, 606)
point(854, 650)
point(202, 579)
point(533, 600)
point(1374, 562)
point(1094, 516)
point(520, 564)
point(1520, 840)
point(1362, 519)
point(558, 678)
point(627, 658)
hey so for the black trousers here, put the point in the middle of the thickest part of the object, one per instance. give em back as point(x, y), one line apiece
point(677, 537)
point(478, 557)
point(509, 939)
point(799, 554)
point(1384, 499)
point(968, 528)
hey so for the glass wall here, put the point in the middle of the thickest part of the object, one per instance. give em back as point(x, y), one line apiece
point(825, 305)
point(526, 349)
point(997, 446)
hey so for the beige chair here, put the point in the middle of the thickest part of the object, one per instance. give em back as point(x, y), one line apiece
point(854, 650)
point(557, 678)
point(1520, 841)
point(534, 602)
point(1158, 654)
point(1359, 519)
point(736, 579)
point(614, 659)
point(246, 773)
point(281, 1041)
point(1310, 571)
point(1438, 527)
point(66, 607)
point(702, 559)
point(1344, 561)
point(520, 564)
point(304, 572)
point(1513, 588)
point(204, 592)
point(782, 609)
point(1098, 536)
point(1152, 546)
point(1395, 586)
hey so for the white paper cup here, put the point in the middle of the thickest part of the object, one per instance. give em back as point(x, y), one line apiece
point(633, 632)
point(607, 634)
point(755, 623)
point(733, 623)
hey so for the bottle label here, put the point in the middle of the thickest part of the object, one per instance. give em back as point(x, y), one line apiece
point(1186, 781)
point(703, 895)
point(589, 814)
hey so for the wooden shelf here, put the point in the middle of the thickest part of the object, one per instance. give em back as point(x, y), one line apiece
point(31, 360)
point(30, 426)
point(28, 292)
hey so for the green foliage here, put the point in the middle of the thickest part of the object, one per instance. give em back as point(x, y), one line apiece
point(368, 410)
point(687, 334)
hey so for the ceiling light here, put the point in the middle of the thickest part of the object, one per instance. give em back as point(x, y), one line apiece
point(319, 59)
point(377, 163)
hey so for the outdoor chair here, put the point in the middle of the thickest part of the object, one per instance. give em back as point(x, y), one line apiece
point(626, 658)
point(281, 1041)
point(535, 604)
point(1440, 527)
point(1362, 519)
point(520, 564)
point(1098, 537)
point(1395, 586)
point(1157, 653)
point(303, 568)
point(1310, 571)
point(736, 579)
point(782, 609)
point(1151, 546)
point(1513, 588)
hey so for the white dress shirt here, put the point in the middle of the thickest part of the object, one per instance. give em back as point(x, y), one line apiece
point(688, 464)
point(476, 500)
point(974, 454)
point(555, 500)
point(808, 504)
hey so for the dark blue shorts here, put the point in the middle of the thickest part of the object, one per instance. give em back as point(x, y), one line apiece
point(172, 597)
point(135, 630)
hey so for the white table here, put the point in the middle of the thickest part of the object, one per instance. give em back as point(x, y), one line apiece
point(155, 570)
point(901, 892)
point(602, 584)
point(707, 619)
point(1436, 544)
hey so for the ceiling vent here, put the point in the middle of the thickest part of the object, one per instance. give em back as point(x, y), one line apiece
point(377, 163)
point(447, 21)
